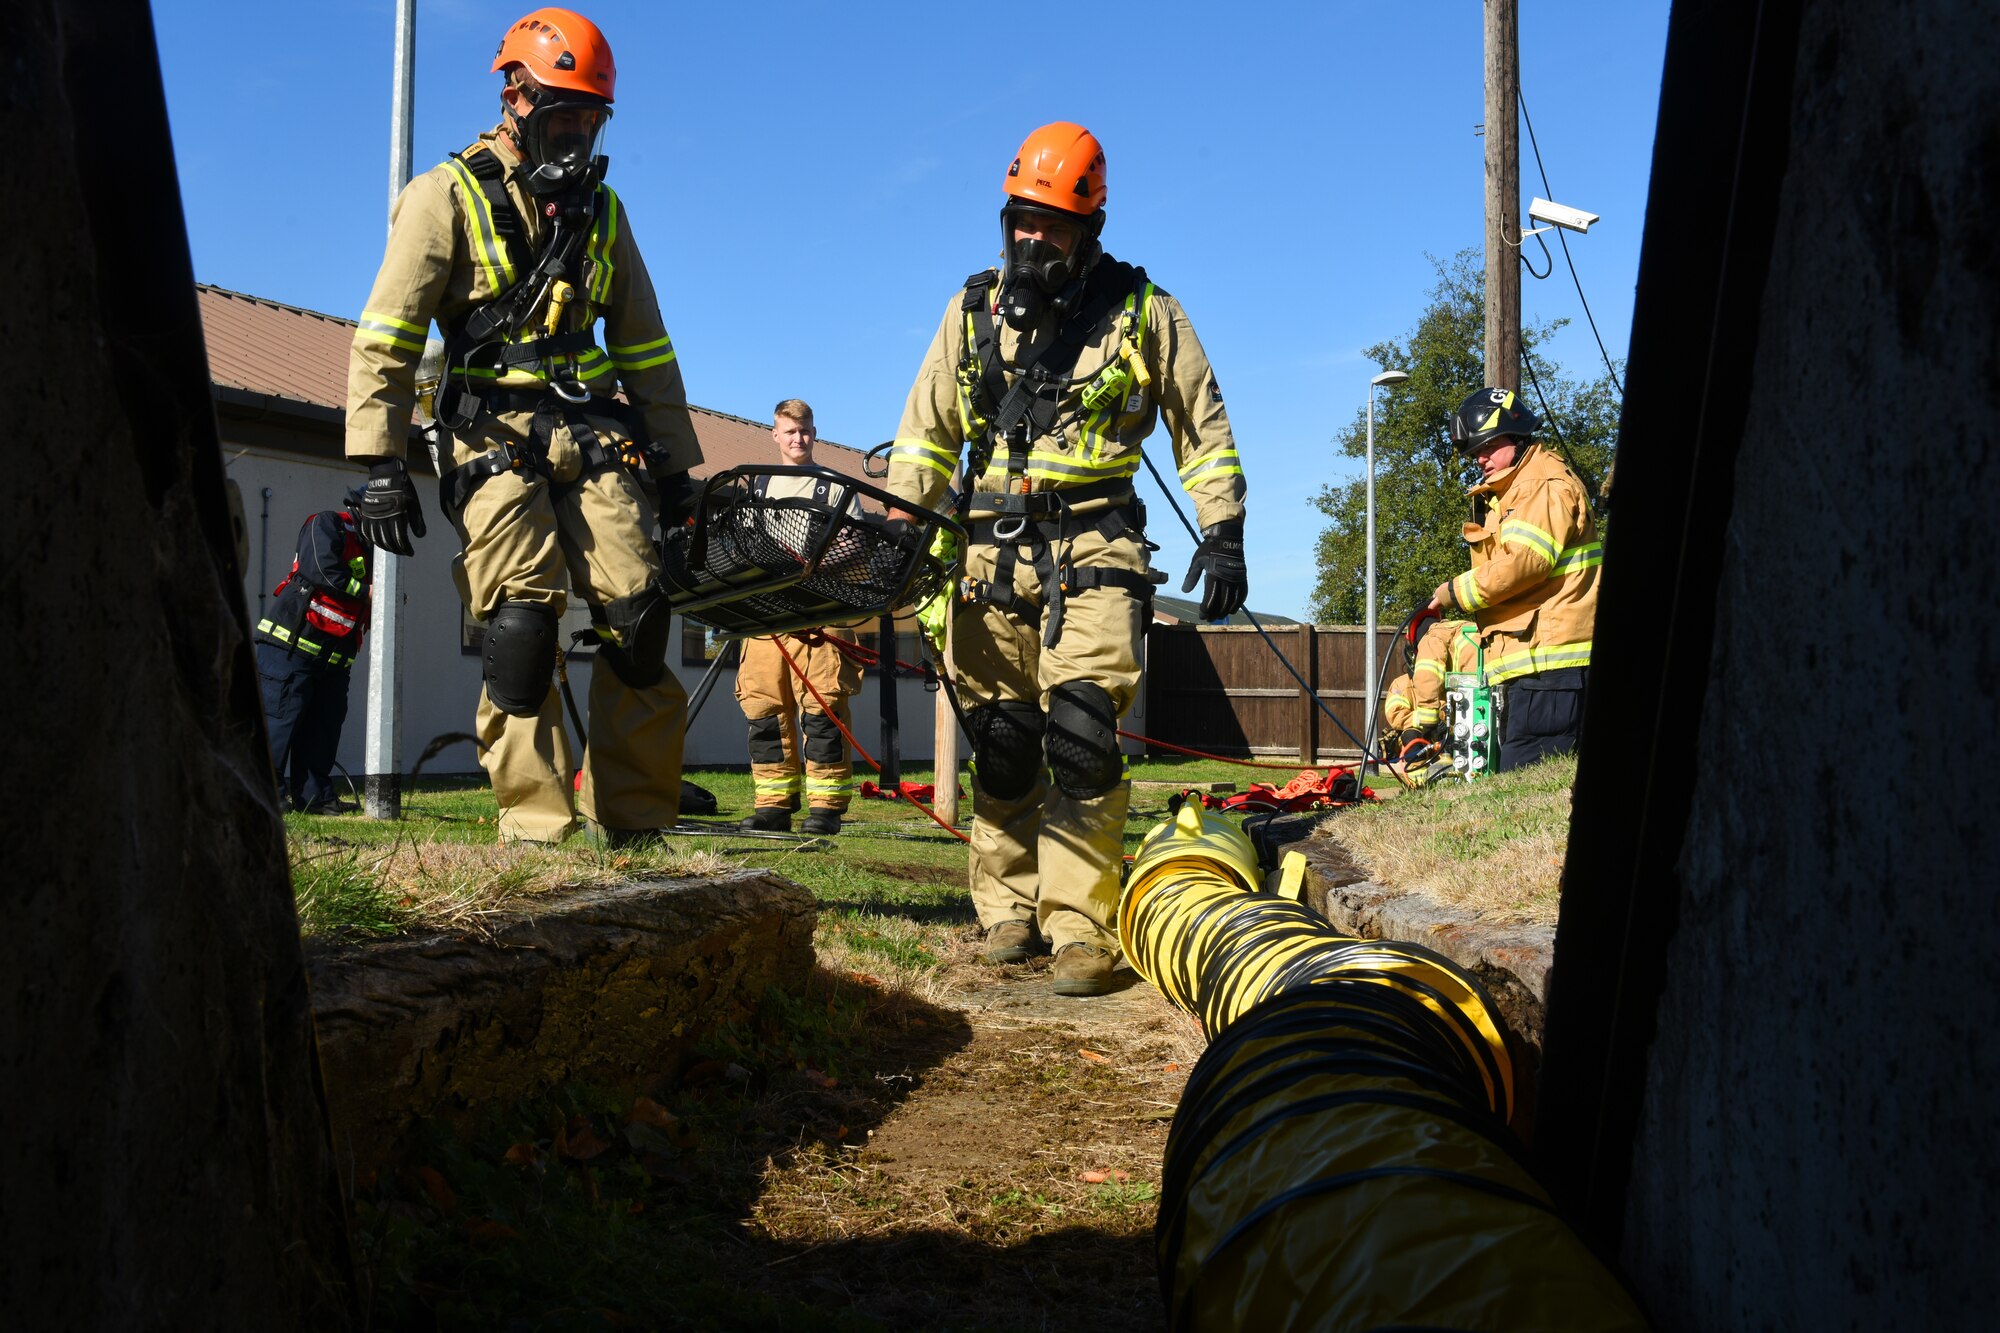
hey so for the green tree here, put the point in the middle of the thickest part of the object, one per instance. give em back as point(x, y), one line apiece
point(1420, 481)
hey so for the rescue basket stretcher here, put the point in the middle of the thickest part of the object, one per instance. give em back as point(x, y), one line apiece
point(752, 564)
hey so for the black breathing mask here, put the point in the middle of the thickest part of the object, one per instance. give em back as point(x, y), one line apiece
point(561, 141)
point(1037, 276)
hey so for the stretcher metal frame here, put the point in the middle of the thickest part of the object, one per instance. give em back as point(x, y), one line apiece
point(752, 565)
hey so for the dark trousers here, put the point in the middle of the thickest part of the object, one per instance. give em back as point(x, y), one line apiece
point(305, 704)
point(1544, 714)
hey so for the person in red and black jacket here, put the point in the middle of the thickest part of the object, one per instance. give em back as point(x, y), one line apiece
point(305, 654)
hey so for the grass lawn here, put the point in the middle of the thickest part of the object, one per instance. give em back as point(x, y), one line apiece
point(1493, 847)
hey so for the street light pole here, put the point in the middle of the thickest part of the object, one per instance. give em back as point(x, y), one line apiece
point(1369, 701)
point(382, 785)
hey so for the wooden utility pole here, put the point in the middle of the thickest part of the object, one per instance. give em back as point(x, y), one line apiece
point(1503, 195)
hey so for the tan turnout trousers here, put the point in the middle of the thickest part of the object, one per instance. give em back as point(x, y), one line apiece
point(1048, 856)
point(527, 540)
point(768, 689)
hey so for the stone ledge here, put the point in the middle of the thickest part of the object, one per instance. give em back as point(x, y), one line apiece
point(607, 984)
point(1511, 961)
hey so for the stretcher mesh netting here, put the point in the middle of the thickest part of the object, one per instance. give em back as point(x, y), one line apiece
point(756, 565)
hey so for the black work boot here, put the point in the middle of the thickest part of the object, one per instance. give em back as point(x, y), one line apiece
point(768, 819)
point(821, 823)
point(1083, 969)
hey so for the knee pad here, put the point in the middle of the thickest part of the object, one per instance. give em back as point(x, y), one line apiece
point(1007, 746)
point(767, 740)
point(1083, 740)
point(638, 655)
point(520, 657)
point(823, 742)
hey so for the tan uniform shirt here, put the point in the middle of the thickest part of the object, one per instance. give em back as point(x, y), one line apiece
point(442, 261)
point(1396, 708)
point(1535, 560)
point(1083, 447)
point(1443, 648)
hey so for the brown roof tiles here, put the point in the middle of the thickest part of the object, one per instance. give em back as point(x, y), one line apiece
point(292, 355)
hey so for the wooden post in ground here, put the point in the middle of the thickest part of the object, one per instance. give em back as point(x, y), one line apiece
point(945, 766)
point(1308, 664)
point(1503, 195)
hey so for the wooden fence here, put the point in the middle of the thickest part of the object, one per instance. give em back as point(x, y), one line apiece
point(1220, 689)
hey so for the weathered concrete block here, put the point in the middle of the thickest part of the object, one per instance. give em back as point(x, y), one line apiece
point(608, 984)
point(1511, 961)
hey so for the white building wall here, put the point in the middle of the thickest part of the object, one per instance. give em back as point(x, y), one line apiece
point(440, 683)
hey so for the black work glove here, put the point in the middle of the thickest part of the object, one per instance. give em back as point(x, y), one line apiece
point(389, 516)
point(678, 500)
point(1220, 557)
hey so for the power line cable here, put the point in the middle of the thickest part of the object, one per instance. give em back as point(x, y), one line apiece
point(1589, 482)
point(1564, 241)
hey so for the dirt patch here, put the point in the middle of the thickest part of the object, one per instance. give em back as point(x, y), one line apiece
point(1019, 1176)
point(916, 874)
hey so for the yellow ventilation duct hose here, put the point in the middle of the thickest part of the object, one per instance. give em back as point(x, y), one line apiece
point(1340, 1158)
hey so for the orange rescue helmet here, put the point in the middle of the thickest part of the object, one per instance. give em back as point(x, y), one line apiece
point(1060, 166)
point(561, 49)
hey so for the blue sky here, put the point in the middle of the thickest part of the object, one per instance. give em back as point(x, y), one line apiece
point(811, 182)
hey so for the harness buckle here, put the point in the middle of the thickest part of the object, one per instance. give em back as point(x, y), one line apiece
point(1008, 528)
point(569, 391)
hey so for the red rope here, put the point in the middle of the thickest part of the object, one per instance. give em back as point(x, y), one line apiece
point(827, 709)
point(1220, 759)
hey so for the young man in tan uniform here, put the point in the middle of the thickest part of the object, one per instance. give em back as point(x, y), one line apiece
point(772, 697)
point(517, 249)
point(1532, 587)
point(1446, 646)
point(1054, 369)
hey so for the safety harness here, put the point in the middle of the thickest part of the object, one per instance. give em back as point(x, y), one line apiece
point(500, 335)
point(996, 410)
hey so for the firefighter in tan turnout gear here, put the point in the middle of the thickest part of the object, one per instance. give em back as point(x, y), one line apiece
point(769, 690)
point(517, 249)
point(1048, 373)
point(1532, 588)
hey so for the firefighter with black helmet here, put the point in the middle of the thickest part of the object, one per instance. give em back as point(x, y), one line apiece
point(518, 250)
point(1046, 374)
point(1532, 588)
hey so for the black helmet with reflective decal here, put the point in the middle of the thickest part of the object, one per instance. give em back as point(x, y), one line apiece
point(1488, 414)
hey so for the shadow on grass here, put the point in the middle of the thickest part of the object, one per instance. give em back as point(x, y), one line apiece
point(639, 1205)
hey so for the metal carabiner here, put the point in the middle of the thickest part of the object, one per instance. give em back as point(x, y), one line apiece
point(569, 391)
point(1004, 533)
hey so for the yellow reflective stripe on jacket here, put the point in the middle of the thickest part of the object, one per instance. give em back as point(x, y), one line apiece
point(1222, 463)
point(923, 451)
point(1587, 556)
point(490, 254)
point(1426, 667)
point(1527, 661)
point(602, 235)
point(303, 644)
point(636, 356)
point(1048, 466)
point(1465, 590)
point(1520, 532)
point(1422, 717)
point(376, 327)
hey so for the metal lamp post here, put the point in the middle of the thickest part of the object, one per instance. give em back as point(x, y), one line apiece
point(1368, 699)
